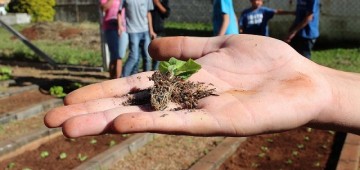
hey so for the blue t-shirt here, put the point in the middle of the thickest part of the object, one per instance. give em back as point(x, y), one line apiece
point(311, 30)
point(221, 7)
point(256, 21)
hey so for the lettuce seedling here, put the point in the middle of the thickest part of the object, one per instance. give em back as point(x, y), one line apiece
point(171, 84)
point(179, 68)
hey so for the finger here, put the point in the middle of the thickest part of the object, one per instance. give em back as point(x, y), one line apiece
point(56, 117)
point(110, 88)
point(184, 48)
point(186, 122)
point(96, 123)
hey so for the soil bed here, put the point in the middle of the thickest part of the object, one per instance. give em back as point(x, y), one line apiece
point(72, 147)
point(302, 148)
point(169, 152)
point(22, 100)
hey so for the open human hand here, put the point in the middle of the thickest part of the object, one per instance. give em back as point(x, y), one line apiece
point(263, 86)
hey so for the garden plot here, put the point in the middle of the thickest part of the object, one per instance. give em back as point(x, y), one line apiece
point(302, 148)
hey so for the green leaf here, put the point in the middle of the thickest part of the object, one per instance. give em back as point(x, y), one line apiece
point(179, 68)
point(63, 155)
point(187, 69)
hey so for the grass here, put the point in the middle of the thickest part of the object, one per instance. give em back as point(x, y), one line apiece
point(64, 51)
point(339, 58)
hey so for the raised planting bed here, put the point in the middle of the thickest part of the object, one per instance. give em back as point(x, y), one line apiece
point(15, 89)
point(60, 152)
point(169, 152)
point(22, 100)
point(302, 148)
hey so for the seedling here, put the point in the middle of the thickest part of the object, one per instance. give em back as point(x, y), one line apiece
point(300, 146)
point(82, 157)
point(125, 135)
point(317, 164)
point(254, 165)
point(63, 155)
point(289, 162)
point(171, 85)
point(306, 138)
point(44, 154)
point(269, 140)
point(262, 154)
point(206, 151)
point(309, 130)
point(295, 153)
point(93, 141)
point(264, 149)
point(5, 73)
point(112, 143)
point(57, 91)
point(11, 165)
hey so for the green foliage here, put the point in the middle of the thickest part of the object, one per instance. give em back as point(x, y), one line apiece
point(179, 68)
point(93, 141)
point(82, 157)
point(44, 154)
point(39, 10)
point(11, 165)
point(112, 143)
point(5, 73)
point(339, 58)
point(63, 155)
point(57, 91)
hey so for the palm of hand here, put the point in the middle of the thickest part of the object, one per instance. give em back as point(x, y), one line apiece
point(260, 90)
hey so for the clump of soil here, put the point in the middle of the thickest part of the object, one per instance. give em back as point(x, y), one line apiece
point(169, 89)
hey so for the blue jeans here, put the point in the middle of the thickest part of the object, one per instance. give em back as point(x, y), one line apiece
point(138, 42)
point(124, 44)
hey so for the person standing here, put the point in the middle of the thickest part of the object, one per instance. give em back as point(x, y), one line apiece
point(159, 14)
point(254, 20)
point(305, 29)
point(111, 28)
point(224, 18)
point(140, 31)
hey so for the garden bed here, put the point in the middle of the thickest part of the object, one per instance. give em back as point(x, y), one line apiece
point(51, 155)
point(302, 148)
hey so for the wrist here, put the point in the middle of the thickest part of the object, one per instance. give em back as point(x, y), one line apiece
point(342, 112)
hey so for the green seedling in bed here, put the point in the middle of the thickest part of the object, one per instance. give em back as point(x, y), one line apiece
point(11, 165)
point(93, 141)
point(112, 143)
point(82, 157)
point(44, 154)
point(63, 155)
point(5, 73)
point(57, 91)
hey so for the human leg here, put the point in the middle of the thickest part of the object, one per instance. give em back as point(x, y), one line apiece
point(123, 46)
point(134, 40)
point(112, 40)
point(303, 46)
point(144, 51)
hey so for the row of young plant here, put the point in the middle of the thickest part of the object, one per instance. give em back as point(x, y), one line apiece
point(264, 150)
point(63, 156)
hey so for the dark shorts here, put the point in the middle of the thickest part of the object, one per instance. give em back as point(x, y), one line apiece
point(303, 46)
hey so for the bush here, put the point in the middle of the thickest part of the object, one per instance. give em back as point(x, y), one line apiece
point(39, 10)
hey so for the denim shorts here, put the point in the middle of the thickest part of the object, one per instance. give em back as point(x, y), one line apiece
point(117, 45)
